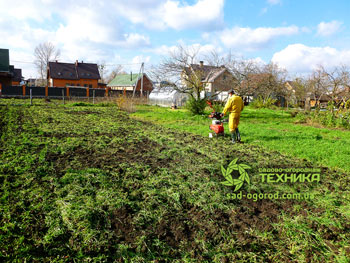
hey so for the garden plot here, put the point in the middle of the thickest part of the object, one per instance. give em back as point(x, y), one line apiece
point(90, 183)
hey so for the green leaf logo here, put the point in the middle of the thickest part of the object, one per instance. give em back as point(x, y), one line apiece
point(243, 175)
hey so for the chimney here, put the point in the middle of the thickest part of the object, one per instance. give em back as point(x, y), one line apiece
point(201, 63)
point(82, 61)
point(76, 63)
point(56, 61)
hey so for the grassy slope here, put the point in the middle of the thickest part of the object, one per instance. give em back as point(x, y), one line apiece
point(272, 129)
point(89, 183)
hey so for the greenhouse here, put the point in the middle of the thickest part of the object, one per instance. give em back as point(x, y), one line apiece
point(167, 96)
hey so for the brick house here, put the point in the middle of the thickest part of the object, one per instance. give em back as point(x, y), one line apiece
point(215, 79)
point(16, 76)
point(61, 74)
point(127, 82)
point(9, 75)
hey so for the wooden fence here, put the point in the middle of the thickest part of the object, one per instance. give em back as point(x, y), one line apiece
point(59, 92)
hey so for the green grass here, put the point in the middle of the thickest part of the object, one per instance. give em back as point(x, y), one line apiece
point(272, 129)
point(90, 184)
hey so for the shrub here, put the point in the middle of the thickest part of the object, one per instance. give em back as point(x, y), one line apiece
point(340, 119)
point(301, 117)
point(196, 107)
point(218, 106)
point(260, 102)
point(128, 104)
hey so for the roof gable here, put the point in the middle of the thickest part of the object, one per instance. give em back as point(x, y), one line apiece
point(209, 73)
point(17, 75)
point(88, 71)
point(126, 80)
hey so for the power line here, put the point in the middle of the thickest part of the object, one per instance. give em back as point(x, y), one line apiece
point(22, 62)
point(107, 65)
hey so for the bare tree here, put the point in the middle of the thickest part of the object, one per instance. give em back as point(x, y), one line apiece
point(345, 93)
point(245, 73)
point(318, 84)
point(248, 75)
point(176, 71)
point(102, 69)
point(267, 81)
point(44, 53)
point(181, 71)
point(335, 82)
point(115, 72)
point(300, 89)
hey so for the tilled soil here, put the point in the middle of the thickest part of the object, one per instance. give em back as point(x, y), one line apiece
point(146, 160)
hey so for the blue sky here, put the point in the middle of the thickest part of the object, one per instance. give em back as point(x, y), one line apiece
point(297, 35)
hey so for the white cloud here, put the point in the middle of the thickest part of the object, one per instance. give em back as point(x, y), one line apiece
point(274, 2)
point(163, 50)
point(140, 59)
point(171, 14)
point(92, 33)
point(327, 29)
point(135, 40)
point(136, 61)
point(302, 59)
point(264, 11)
point(201, 50)
point(249, 39)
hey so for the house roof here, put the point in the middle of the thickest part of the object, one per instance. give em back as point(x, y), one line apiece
point(210, 73)
point(74, 71)
point(125, 80)
point(17, 75)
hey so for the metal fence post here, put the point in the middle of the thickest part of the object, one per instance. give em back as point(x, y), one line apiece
point(31, 97)
point(63, 96)
point(93, 97)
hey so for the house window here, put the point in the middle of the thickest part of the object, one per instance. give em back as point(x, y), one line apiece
point(85, 85)
point(78, 84)
point(90, 86)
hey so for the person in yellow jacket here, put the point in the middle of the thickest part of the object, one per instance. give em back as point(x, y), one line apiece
point(234, 106)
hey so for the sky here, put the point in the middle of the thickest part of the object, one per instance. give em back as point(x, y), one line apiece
point(297, 35)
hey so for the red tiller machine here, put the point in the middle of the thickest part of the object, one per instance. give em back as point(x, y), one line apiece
point(217, 125)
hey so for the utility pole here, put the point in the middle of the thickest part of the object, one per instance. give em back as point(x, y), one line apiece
point(142, 69)
point(140, 73)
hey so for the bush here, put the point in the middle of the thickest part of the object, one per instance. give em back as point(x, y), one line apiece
point(301, 117)
point(218, 106)
point(340, 119)
point(196, 107)
point(260, 102)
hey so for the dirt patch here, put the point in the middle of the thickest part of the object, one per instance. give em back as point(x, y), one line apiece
point(85, 112)
point(121, 224)
point(196, 224)
point(142, 151)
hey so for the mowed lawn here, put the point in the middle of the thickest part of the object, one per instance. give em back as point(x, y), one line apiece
point(272, 129)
